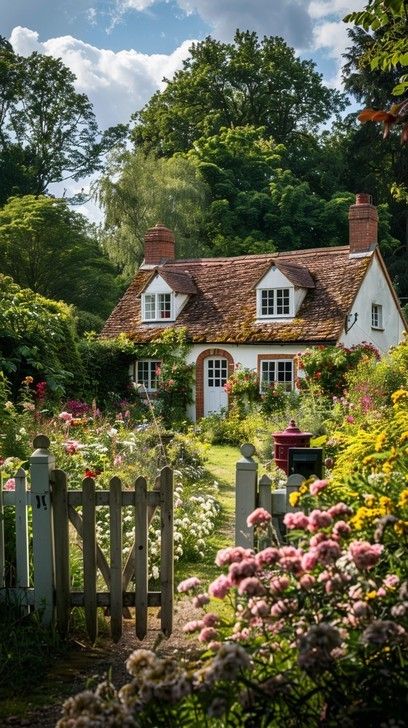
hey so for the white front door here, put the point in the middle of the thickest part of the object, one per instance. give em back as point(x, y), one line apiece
point(215, 376)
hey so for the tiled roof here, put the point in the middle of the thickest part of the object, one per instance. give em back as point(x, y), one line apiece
point(224, 307)
point(179, 281)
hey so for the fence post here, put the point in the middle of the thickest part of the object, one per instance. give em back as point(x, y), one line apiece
point(41, 463)
point(246, 479)
point(2, 544)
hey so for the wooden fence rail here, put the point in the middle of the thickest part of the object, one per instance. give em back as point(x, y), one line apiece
point(54, 513)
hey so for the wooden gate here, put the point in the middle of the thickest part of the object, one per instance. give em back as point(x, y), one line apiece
point(53, 508)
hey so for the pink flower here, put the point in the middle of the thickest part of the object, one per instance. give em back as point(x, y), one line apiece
point(188, 584)
point(71, 447)
point(251, 586)
point(231, 555)
point(328, 551)
point(259, 608)
point(220, 587)
point(210, 619)
point(364, 554)
point(309, 560)
point(193, 626)
point(279, 584)
point(280, 608)
point(391, 581)
point(290, 559)
point(270, 555)
point(296, 520)
point(10, 484)
point(350, 419)
point(242, 570)
point(318, 538)
point(65, 416)
point(258, 517)
point(307, 581)
point(207, 634)
point(360, 608)
point(318, 486)
point(340, 509)
point(319, 519)
point(341, 528)
point(200, 600)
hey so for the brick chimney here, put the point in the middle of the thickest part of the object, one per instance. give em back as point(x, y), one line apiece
point(159, 245)
point(363, 224)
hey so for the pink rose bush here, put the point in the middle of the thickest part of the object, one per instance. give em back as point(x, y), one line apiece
point(305, 625)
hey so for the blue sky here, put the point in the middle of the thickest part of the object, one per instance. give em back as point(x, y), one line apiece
point(120, 50)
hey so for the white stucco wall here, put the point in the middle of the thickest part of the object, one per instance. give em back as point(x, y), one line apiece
point(244, 354)
point(375, 289)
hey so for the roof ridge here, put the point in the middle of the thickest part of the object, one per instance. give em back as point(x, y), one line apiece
point(304, 252)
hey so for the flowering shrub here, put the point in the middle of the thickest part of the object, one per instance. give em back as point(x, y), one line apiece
point(174, 390)
point(315, 623)
point(243, 388)
point(325, 367)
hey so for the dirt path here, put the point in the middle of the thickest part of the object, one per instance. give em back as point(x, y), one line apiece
point(84, 664)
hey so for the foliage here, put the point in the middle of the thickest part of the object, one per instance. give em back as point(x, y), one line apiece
point(137, 191)
point(230, 428)
point(106, 365)
point(260, 83)
point(38, 339)
point(242, 387)
point(326, 366)
point(315, 622)
point(389, 19)
point(52, 250)
point(43, 118)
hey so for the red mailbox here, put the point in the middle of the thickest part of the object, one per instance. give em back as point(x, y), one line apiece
point(291, 437)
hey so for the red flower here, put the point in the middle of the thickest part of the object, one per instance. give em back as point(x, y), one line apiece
point(92, 473)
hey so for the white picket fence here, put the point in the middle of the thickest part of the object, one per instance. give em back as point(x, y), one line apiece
point(251, 493)
point(54, 508)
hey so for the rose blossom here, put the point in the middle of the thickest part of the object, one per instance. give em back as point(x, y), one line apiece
point(10, 484)
point(391, 581)
point(319, 519)
point(307, 581)
point(231, 554)
point(65, 416)
point(340, 509)
point(279, 584)
point(242, 570)
point(258, 517)
point(220, 587)
point(207, 634)
point(188, 584)
point(309, 560)
point(318, 486)
point(193, 626)
point(296, 520)
point(210, 619)
point(290, 558)
point(341, 528)
point(251, 586)
point(328, 551)
point(270, 555)
point(364, 554)
point(200, 600)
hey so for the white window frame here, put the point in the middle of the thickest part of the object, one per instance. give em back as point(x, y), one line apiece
point(155, 304)
point(377, 321)
point(264, 364)
point(273, 294)
point(150, 382)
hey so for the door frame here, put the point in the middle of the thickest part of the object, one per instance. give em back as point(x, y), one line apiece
point(200, 383)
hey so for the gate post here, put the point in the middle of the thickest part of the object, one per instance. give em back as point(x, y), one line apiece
point(246, 481)
point(41, 464)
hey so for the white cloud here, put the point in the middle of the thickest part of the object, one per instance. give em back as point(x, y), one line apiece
point(117, 84)
point(137, 4)
point(325, 8)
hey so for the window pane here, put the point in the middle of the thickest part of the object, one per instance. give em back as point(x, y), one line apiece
point(146, 373)
point(277, 372)
point(282, 301)
point(376, 315)
point(267, 372)
point(164, 305)
point(150, 306)
point(267, 302)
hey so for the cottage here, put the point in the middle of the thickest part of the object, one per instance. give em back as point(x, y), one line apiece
point(260, 310)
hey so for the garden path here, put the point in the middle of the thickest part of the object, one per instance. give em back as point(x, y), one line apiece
point(86, 666)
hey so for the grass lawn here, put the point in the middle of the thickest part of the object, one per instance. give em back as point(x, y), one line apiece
point(220, 465)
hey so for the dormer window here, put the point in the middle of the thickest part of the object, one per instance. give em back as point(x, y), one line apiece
point(275, 302)
point(157, 306)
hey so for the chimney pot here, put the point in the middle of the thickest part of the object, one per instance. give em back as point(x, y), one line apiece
point(159, 245)
point(363, 224)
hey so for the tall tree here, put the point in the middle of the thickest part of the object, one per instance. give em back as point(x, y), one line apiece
point(260, 83)
point(52, 125)
point(53, 251)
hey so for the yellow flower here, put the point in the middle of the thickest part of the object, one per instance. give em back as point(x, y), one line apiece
point(403, 499)
point(369, 500)
point(294, 498)
point(386, 502)
point(27, 380)
point(371, 594)
point(404, 437)
point(303, 489)
point(379, 441)
point(401, 528)
point(387, 468)
point(399, 394)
